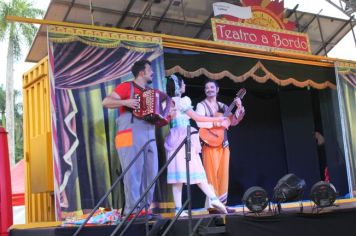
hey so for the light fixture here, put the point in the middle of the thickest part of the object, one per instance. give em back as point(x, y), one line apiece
point(323, 194)
point(289, 188)
point(255, 199)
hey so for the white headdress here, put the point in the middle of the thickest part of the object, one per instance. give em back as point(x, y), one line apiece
point(176, 85)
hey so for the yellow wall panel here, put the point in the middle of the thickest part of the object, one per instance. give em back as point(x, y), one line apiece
point(39, 198)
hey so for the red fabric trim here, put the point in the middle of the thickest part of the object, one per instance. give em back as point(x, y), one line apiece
point(18, 199)
point(124, 131)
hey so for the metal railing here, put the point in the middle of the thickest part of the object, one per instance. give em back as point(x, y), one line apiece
point(101, 201)
point(186, 141)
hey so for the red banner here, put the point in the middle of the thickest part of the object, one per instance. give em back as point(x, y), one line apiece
point(259, 37)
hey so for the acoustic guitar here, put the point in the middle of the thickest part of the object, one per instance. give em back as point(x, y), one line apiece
point(215, 136)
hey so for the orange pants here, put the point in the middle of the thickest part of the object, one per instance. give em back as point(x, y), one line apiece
point(216, 165)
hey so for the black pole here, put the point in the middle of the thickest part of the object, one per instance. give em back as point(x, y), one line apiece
point(175, 218)
point(187, 160)
point(131, 221)
point(145, 201)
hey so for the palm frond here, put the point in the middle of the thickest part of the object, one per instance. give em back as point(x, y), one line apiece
point(19, 33)
point(3, 23)
point(16, 42)
point(25, 8)
point(28, 32)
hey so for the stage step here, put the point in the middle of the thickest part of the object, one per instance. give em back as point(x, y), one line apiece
point(206, 225)
point(206, 230)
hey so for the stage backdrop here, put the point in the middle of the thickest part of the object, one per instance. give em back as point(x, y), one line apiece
point(276, 136)
point(85, 66)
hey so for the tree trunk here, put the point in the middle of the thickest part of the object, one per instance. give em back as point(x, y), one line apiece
point(3, 119)
point(10, 117)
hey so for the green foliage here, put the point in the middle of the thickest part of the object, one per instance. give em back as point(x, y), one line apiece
point(18, 33)
point(18, 126)
point(18, 120)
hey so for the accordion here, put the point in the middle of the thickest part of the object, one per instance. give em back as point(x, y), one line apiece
point(154, 107)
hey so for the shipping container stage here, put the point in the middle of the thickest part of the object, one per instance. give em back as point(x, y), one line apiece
point(267, 143)
point(334, 220)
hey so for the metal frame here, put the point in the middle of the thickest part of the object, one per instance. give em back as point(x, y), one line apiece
point(178, 42)
point(123, 16)
point(162, 16)
point(200, 26)
point(321, 34)
point(324, 45)
point(143, 14)
point(343, 9)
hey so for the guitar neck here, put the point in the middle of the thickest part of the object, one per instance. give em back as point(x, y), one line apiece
point(229, 109)
point(240, 94)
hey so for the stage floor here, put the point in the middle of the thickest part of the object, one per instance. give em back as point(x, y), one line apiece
point(336, 220)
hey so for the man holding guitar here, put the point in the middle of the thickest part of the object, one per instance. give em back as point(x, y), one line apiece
point(215, 151)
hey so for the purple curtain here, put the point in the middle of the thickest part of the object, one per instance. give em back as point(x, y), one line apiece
point(76, 65)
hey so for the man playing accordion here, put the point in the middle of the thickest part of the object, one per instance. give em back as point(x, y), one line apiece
point(132, 133)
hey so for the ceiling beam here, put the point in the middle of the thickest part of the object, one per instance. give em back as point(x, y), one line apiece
point(292, 11)
point(206, 23)
point(130, 14)
point(311, 21)
point(321, 35)
point(68, 11)
point(324, 45)
point(87, 7)
point(298, 18)
point(162, 16)
point(353, 32)
point(122, 18)
point(143, 14)
point(198, 44)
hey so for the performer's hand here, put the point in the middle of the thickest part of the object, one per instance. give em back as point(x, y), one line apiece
point(240, 111)
point(238, 103)
point(132, 103)
point(319, 138)
point(225, 124)
point(222, 118)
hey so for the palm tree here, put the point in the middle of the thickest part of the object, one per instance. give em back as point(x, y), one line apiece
point(16, 35)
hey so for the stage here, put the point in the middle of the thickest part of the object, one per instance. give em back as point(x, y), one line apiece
point(335, 220)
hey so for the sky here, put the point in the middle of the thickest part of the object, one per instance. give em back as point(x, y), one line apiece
point(313, 6)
